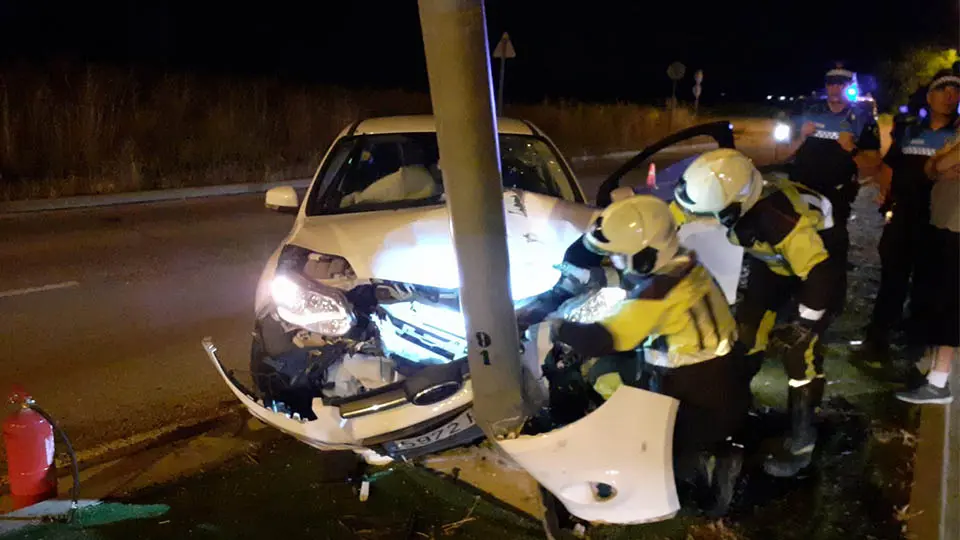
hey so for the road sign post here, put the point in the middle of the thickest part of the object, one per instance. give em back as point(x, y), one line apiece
point(676, 72)
point(697, 89)
point(503, 50)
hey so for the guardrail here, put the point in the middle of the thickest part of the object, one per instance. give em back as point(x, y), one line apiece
point(88, 201)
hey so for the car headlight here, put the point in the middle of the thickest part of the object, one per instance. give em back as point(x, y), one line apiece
point(781, 133)
point(312, 306)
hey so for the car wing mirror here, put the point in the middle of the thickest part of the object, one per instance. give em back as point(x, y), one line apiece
point(283, 199)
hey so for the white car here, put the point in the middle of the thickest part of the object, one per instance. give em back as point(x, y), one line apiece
point(359, 341)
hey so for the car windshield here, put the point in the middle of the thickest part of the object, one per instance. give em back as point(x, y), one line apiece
point(401, 170)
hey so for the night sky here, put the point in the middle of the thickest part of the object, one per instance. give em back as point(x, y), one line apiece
point(596, 50)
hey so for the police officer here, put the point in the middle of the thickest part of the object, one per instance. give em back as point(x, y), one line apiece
point(905, 246)
point(678, 317)
point(779, 225)
point(836, 138)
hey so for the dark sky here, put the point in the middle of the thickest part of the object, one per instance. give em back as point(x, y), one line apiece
point(596, 50)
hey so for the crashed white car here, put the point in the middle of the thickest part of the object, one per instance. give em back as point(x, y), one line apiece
point(359, 341)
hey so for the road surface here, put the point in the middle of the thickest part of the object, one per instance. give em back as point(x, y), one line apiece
point(102, 310)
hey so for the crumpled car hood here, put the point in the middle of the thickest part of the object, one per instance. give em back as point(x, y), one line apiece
point(416, 246)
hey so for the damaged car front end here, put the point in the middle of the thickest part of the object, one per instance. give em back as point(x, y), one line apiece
point(339, 361)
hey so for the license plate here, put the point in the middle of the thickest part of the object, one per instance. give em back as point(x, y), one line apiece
point(460, 423)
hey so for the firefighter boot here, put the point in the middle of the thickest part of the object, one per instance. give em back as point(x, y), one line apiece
point(726, 472)
point(797, 450)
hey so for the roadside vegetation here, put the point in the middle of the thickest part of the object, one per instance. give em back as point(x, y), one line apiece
point(92, 130)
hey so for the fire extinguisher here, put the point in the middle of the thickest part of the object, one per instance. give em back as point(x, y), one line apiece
point(30, 449)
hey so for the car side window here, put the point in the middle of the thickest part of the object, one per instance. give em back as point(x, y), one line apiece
point(331, 169)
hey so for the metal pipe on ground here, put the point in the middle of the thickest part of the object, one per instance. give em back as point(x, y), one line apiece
point(461, 90)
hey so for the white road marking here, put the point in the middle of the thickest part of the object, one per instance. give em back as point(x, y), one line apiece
point(30, 290)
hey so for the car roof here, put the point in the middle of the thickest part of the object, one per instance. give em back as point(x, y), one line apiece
point(426, 123)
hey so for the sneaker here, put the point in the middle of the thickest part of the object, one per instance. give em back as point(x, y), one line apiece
point(927, 393)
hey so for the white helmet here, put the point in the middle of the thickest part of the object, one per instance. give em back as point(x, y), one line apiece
point(640, 228)
point(721, 183)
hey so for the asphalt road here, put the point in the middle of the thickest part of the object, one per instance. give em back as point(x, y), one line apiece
point(102, 310)
point(114, 348)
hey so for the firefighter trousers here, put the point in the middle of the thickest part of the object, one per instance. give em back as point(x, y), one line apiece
point(766, 295)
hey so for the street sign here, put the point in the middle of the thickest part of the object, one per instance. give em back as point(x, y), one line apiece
point(698, 76)
point(504, 48)
point(676, 71)
point(503, 51)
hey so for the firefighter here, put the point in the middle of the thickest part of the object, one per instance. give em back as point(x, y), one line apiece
point(779, 224)
point(838, 141)
point(677, 317)
point(906, 241)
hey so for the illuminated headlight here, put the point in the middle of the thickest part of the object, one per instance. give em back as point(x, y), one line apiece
point(320, 309)
point(781, 133)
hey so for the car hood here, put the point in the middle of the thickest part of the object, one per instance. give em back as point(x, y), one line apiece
point(416, 246)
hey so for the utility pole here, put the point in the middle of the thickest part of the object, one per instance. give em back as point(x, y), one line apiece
point(461, 90)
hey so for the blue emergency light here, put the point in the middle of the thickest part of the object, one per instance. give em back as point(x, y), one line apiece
point(852, 92)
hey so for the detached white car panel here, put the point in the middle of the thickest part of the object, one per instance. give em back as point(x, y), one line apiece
point(627, 443)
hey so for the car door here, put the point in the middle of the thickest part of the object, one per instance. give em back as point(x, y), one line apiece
point(670, 157)
point(676, 151)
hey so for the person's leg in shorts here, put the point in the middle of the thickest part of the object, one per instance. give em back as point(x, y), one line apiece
point(943, 320)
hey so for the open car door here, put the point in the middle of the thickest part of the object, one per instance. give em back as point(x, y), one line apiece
point(674, 154)
point(687, 144)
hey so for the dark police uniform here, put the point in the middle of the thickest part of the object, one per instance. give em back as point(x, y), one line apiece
point(823, 165)
point(906, 241)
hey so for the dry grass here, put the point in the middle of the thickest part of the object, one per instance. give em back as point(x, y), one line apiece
point(586, 129)
point(716, 530)
point(70, 131)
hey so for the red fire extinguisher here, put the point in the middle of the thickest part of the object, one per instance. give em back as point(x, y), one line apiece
point(29, 443)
